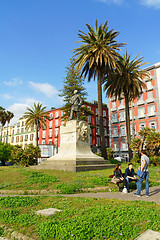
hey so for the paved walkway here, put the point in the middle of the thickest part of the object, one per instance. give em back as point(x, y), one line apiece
point(154, 195)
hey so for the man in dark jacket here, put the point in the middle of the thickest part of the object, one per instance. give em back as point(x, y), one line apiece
point(130, 176)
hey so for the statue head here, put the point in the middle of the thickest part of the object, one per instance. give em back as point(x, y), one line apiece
point(75, 91)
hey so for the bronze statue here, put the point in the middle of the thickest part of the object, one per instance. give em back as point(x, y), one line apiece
point(76, 102)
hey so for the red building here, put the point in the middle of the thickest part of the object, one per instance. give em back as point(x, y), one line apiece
point(51, 135)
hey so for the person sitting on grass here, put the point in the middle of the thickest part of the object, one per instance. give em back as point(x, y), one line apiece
point(130, 176)
point(118, 176)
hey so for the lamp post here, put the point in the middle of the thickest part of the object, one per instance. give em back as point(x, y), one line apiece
point(57, 145)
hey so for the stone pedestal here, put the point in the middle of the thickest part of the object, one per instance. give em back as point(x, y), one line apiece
point(74, 152)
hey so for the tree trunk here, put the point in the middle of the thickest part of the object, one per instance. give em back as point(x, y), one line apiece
point(128, 126)
point(36, 128)
point(100, 117)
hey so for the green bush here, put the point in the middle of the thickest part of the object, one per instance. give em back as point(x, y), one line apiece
point(5, 152)
point(114, 161)
point(155, 160)
point(136, 159)
point(1, 231)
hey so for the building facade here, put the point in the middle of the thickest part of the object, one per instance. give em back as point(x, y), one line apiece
point(51, 135)
point(145, 112)
point(18, 134)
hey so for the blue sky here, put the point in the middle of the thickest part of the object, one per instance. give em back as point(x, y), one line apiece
point(37, 38)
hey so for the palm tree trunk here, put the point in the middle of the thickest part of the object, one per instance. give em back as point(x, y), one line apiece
point(128, 126)
point(100, 117)
point(36, 128)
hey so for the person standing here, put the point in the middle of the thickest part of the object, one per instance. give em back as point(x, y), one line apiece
point(144, 175)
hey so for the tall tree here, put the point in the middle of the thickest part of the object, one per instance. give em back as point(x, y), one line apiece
point(72, 81)
point(126, 82)
point(96, 57)
point(36, 116)
point(9, 116)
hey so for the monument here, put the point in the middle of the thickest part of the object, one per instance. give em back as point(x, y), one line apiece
point(74, 153)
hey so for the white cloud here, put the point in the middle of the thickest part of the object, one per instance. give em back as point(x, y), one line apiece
point(13, 82)
point(6, 96)
point(20, 108)
point(111, 1)
point(151, 3)
point(45, 88)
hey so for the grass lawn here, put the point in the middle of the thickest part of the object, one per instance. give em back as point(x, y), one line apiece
point(81, 218)
point(19, 178)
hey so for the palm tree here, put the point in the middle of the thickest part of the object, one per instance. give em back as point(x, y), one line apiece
point(9, 116)
point(96, 57)
point(3, 119)
point(126, 82)
point(37, 116)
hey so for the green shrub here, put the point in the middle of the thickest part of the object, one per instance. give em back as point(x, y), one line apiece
point(136, 159)
point(114, 161)
point(155, 160)
point(1, 231)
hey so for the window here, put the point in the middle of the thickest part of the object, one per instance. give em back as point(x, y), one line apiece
point(89, 119)
point(113, 105)
point(31, 137)
point(43, 134)
point(98, 141)
point(114, 117)
point(13, 131)
point(96, 110)
point(56, 123)
point(22, 130)
point(104, 113)
point(18, 130)
point(26, 137)
point(140, 99)
point(21, 138)
point(123, 145)
point(51, 115)
point(97, 121)
point(17, 139)
point(50, 124)
point(43, 142)
point(18, 124)
point(50, 133)
point(130, 113)
point(149, 85)
point(150, 94)
point(12, 140)
point(97, 131)
point(115, 131)
point(57, 114)
point(55, 142)
point(22, 123)
point(50, 142)
point(153, 125)
point(105, 132)
point(141, 112)
point(121, 103)
point(56, 132)
point(151, 110)
point(32, 127)
point(122, 116)
point(115, 146)
point(142, 125)
point(123, 130)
